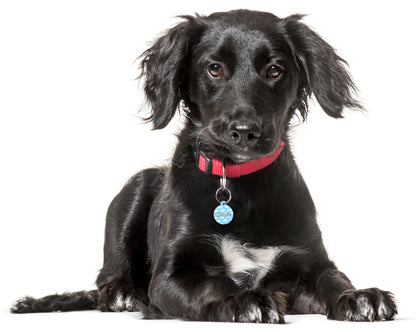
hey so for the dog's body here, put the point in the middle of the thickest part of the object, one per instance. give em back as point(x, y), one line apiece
point(242, 75)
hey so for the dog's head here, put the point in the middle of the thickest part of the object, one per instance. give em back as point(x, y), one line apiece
point(241, 76)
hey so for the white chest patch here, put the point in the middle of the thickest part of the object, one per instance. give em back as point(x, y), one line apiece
point(246, 265)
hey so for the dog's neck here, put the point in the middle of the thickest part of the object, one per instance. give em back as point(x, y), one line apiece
point(215, 167)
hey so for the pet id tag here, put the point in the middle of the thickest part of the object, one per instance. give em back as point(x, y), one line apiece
point(223, 214)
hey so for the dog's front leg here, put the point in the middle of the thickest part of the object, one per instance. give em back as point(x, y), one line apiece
point(197, 293)
point(344, 302)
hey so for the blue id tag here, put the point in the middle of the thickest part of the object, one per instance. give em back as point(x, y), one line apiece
point(223, 214)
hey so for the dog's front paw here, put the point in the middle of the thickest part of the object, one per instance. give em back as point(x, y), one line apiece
point(370, 304)
point(251, 306)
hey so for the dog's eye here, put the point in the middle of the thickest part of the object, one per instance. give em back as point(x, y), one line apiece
point(216, 70)
point(273, 71)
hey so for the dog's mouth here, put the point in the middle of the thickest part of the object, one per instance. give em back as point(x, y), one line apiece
point(224, 149)
point(239, 158)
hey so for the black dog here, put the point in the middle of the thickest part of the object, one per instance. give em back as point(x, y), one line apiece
point(241, 77)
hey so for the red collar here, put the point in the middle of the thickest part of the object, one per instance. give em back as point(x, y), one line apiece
point(214, 166)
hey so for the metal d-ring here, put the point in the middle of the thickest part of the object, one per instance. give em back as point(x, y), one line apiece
point(223, 180)
point(223, 188)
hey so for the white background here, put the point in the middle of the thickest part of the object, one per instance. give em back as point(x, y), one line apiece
point(70, 137)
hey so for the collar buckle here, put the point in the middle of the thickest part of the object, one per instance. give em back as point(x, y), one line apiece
point(205, 163)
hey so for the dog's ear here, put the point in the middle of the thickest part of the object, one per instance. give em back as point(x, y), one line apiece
point(164, 69)
point(323, 72)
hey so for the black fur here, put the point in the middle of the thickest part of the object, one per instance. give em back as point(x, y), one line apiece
point(241, 77)
point(62, 302)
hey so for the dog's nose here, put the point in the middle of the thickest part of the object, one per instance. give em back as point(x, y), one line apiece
point(244, 133)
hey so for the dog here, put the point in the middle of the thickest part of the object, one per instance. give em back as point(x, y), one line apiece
point(228, 231)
